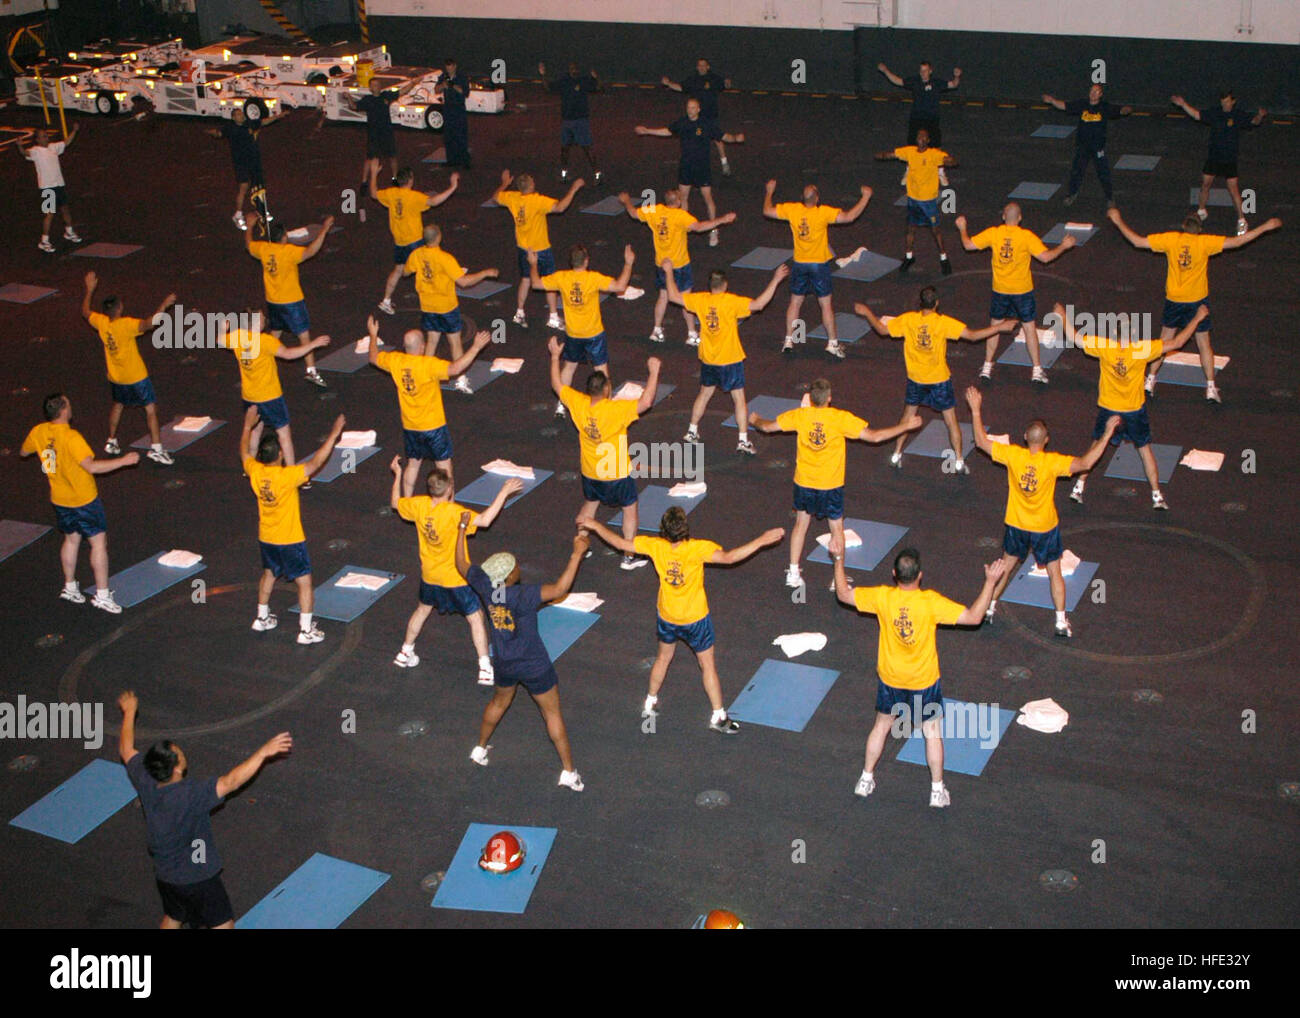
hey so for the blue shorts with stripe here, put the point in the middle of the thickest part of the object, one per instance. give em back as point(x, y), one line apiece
point(697, 635)
point(1045, 544)
point(823, 503)
point(919, 705)
point(1013, 307)
point(726, 377)
point(1177, 314)
point(682, 276)
point(938, 396)
point(811, 278)
point(450, 600)
point(136, 394)
point(86, 520)
point(1135, 426)
point(274, 412)
point(286, 561)
point(291, 318)
point(446, 321)
point(922, 213)
point(428, 445)
point(586, 351)
point(545, 262)
point(615, 494)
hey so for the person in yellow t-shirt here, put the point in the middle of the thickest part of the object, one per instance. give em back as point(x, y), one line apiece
point(437, 275)
point(419, 396)
point(436, 517)
point(528, 211)
point(406, 208)
point(1187, 283)
point(683, 609)
point(722, 358)
point(923, 166)
point(925, 335)
point(286, 310)
point(670, 224)
point(908, 689)
point(69, 464)
point(809, 221)
point(128, 379)
point(580, 289)
point(1031, 522)
point(1013, 248)
point(821, 431)
point(1123, 359)
point(275, 483)
point(602, 423)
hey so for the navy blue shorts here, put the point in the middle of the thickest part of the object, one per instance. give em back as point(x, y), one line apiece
point(575, 132)
point(274, 412)
point(86, 520)
point(920, 705)
point(402, 252)
point(450, 600)
point(823, 503)
point(428, 445)
point(1177, 314)
point(1045, 544)
point(291, 318)
point(938, 396)
point(727, 377)
point(59, 194)
point(698, 635)
point(681, 276)
point(204, 904)
point(433, 321)
point(1226, 168)
point(537, 685)
point(286, 561)
point(586, 351)
point(695, 173)
point(545, 262)
point(922, 213)
point(616, 494)
point(136, 394)
point(1013, 307)
point(811, 278)
point(248, 172)
point(1135, 426)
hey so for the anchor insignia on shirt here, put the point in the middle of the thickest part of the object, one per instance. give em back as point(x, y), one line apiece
point(674, 577)
point(408, 382)
point(817, 436)
point(903, 626)
point(1029, 481)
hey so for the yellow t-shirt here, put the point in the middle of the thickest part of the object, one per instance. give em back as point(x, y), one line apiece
point(602, 431)
point(719, 315)
point(681, 576)
point(125, 366)
point(808, 226)
point(259, 377)
point(279, 270)
point(278, 518)
point(822, 430)
point(62, 450)
point(418, 392)
point(925, 344)
point(1031, 485)
point(1123, 370)
point(529, 213)
point(405, 213)
point(907, 657)
point(1188, 279)
point(438, 524)
point(580, 293)
point(1012, 247)
point(922, 171)
point(670, 227)
point(436, 273)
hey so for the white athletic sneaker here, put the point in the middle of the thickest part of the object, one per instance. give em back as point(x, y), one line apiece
point(726, 168)
point(896, 460)
point(553, 322)
point(713, 238)
point(312, 635)
point(1241, 228)
point(792, 577)
point(238, 217)
point(903, 181)
point(386, 306)
point(313, 376)
point(520, 318)
point(1149, 386)
point(692, 435)
point(960, 467)
point(479, 754)
point(261, 625)
point(1202, 215)
point(725, 725)
point(161, 456)
point(788, 345)
point(71, 234)
point(112, 448)
point(939, 797)
point(991, 612)
point(1076, 493)
point(632, 562)
point(73, 594)
point(986, 372)
point(405, 660)
point(1063, 630)
point(46, 246)
point(1158, 502)
point(657, 334)
point(564, 173)
point(571, 779)
point(692, 339)
point(486, 673)
point(462, 385)
point(103, 600)
point(648, 708)
point(1038, 375)
point(865, 785)
point(1212, 393)
point(836, 349)
point(560, 411)
point(599, 175)
point(746, 447)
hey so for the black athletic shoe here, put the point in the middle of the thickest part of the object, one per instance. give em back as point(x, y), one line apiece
point(945, 266)
point(907, 264)
point(726, 726)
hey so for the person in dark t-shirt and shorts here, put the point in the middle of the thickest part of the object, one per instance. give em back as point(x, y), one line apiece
point(704, 86)
point(575, 114)
point(246, 154)
point(925, 89)
point(1226, 125)
point(381, 140)
point(1093, 114)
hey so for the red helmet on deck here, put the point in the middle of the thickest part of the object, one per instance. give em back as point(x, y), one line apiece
point(503, 853)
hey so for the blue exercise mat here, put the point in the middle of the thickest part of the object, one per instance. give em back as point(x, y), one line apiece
point(467, 886)
point(483, 289)
point(23, 293)
point(560, 628)
point(173, 440)
point(1036, 591)
point(1018, 353)
point(343, 604)
point(1143, 164)
point(1219, 197)
point(1057, 234)
point(608, 206)
point(16, 535)
point(966, 750)
point(664, 390)
point(347, 361)
point(878, 540)
point(103, 249)
point(1127, 464)
point(491, 203)
point(1184, 374)
point(769, 407)
point(1034, 190)
point(438, 155)
point(868, 268)
point(783, 694)
point(319, 895)
point(901, 201)
point(80, 804)
point(145, 579)
point(343, 461)
point(932, 440)
point(764, 259)
point(1053, 131)
point(483, 489)
point(479, 373)
point(652, 502)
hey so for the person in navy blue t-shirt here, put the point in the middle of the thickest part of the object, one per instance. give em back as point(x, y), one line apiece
point(1225, 124)
point(925, 89)
point(575, 114)
point(704, 86)
point(1092, 115)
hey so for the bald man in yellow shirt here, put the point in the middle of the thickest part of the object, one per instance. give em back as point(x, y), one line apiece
point(437, 275)
point(406, 207)
point(528, 211)
point(924, 165)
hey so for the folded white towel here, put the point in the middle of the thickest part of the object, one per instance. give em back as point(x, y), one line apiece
point(1046, 337)
point(357, 439)
point(851, 539)
point(510, 365)
point(362, 581)
point(301, 233)
point(192, 424)
point(688, 489)
point(362, 345)
point(1199, 459)
point(1069, 563)
point(1194, 360)
point(508, 469)
point(1000, 439)
point(587, 602)
point(178, 559)
point(795, 644)
point(1043, 716)
point(1079, 226)
point(847, 259)
point(631, 293)
point(630, 390)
